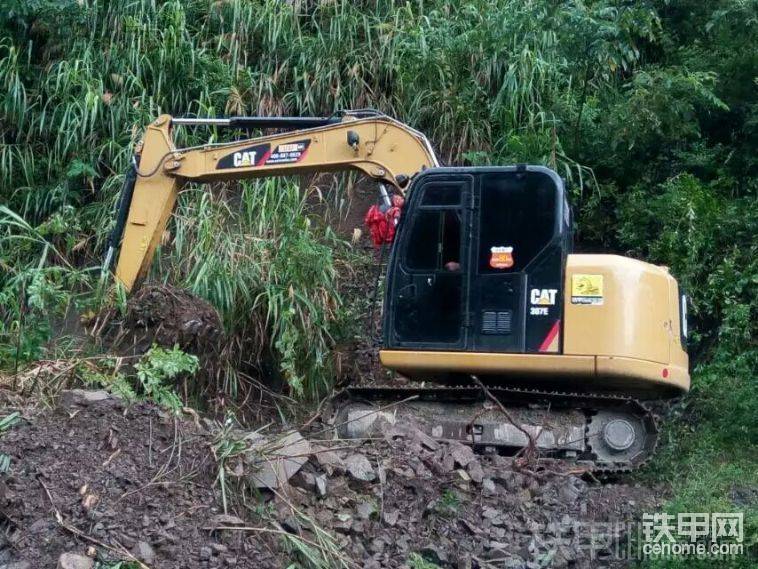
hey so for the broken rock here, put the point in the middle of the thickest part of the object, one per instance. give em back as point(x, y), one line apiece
point(329, 460)
point(220, 520)
point(75, 561)
point(83, 397)
point(360, 468)
point(275, 462)
point(475, 471)
point(435, 554)
point(361, 423)
point(365, 510)
point(488, 487)
point(461, 454)
point(144, 552)
point(390, 517)
point(320, 481)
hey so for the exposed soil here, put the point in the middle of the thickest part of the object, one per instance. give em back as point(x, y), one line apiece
point(168, 316)
point(119, 475)
point(135, 478)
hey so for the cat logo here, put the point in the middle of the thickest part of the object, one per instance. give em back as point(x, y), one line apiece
point(242, 159)
point(543, 296)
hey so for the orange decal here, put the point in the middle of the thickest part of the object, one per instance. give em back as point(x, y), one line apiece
point(501, 257)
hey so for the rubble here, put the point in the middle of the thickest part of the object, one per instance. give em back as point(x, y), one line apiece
point(359, 468)
point(75, 561)
point(383, 502)
point(144, 552)
point(274, 461)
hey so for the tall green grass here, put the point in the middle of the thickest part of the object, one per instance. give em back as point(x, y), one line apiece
point(269, 270)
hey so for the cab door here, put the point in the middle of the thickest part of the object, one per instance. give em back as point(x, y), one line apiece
point(519, 258)
point(427, 289)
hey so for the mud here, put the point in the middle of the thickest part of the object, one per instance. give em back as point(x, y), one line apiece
point(134, 479)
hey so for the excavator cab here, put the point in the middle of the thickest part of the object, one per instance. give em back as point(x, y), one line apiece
point(482, 281)
point(475, 245)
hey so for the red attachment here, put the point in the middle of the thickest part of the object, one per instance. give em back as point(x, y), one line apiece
point(382, 225)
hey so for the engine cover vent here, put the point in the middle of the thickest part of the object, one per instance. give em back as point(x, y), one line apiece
point(497, 322)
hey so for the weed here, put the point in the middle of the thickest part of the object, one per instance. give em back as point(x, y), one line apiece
point(228, 445)
point(6, 423)
point(448, 503)
point(9, 421)
point(117, 565)
point(159, 366)
point(417, 561)
point(107, 377)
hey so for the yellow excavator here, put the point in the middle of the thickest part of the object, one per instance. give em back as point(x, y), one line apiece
point(483, 295)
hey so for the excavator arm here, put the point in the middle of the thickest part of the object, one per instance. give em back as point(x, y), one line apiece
point(379, 146)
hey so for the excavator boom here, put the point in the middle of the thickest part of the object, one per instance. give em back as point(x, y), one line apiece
point(379, 146)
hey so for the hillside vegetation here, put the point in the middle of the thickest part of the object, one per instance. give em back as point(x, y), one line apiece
point(647, 108)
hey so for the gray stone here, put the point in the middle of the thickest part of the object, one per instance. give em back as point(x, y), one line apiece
point(320, 481)
point(304, 480)
point(144, 552)
point(17, 565)
point(424, 439)
point(569, 493)
point(362, 423)
point(84, 397)
point(273, 462)
point(489, 513)
point(365, 510)
point(205, 553)
point(226, 520)
point(434, 554)
point(41, 525)
point(75, 561)
point(219, 547)
point(475, 471)
point(461, 454)
point(488, 487)
point(390, 517)
point(329, 460)
point(359, 468)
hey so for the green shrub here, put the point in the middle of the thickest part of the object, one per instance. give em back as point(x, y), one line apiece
point(159, 369)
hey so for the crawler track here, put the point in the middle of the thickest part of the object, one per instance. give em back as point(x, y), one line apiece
point(570, 426)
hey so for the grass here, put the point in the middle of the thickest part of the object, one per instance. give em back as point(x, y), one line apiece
point(708, 456)
point(448, 504)
point(416, 561)
point(270, 271)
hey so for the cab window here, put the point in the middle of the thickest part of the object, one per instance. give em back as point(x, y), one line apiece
point(517, 213)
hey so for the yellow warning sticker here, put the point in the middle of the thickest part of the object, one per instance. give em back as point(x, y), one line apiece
point(587, 289)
